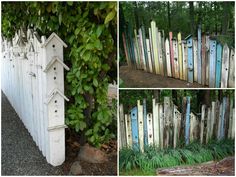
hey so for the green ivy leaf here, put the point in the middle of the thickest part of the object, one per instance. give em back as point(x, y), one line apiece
point(95, 82)
point(99, 30)
point(110, 16)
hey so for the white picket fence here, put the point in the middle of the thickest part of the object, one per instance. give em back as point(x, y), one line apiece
point(33, 81)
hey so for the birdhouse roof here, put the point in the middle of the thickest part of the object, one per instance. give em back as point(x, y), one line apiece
point(54, 35)
point(188, 37)
point(53, 93)
point(49, 65)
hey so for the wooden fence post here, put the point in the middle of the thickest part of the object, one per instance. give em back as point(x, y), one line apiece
point(207, 59)
point(190, 58)
point(208, 124)
point(171, 54)
point(150, 129)
point(225, 67)
point(203, 60)
point(176, 117)
point(156, 122)
point(168, 62)
point(218, 64)
point(122, 129)
point(213, 111)
point(161, 117)
point(180, 56)
point(167, 117)
point(140, 126)
point(152, 50)
point(231, 69)
point(128, 132)
point(154, 44)
point(185, 60)
point(195, 60)
point(199, 62)
point(149, 55)
point(137, 49)
point(134, 128)
point(202, 123)
point(212, 64)
point(219, 122)
point(160, 54)
point(176, 62)
point(145, 129)
point(230, 119)
point(142, 60)
point(187, 121)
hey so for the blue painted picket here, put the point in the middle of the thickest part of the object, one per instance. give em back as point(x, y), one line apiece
point(199, 62)
point(190, 58)
point(134, 127)
point(212, 64)
point(145, 122)
point(218, 64)
point(187, 121)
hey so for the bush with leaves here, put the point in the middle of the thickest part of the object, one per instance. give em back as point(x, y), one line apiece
point(89, 29)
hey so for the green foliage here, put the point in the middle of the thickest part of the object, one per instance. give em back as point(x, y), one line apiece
point(193, 153)
point(89, 29)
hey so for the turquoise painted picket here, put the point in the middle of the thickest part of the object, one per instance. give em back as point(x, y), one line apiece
point(207, 62)
point(163, 124)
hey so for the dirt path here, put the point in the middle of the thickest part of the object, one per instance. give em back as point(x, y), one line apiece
point(139, 79)
point(224, 167)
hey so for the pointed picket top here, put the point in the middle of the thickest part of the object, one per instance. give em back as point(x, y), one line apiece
point(20, 41)
point(54, 35)
point(53, 93)
point(30, 34)
point(56, 58)
point(37, 36)
point(189, 36)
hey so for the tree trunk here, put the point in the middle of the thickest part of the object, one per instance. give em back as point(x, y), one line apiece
point(225, 17)
point(168, 9)
point(191, 17)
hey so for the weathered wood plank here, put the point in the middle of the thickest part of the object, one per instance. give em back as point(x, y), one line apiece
point(212, 64)
point(207, 59)
point(167, 117)
point(219, 122)
point(156, 122)
point(187, 121)
point(218, 64)
point(140, 126)
point(180, 56)
point(213, 111)
point(225, 67)
point(175, 115)
point(185, 60)
point(195, 60)
point(152, 51)
point(190, 58)
point(208, 124)
point(176, 62)
point(230, 118)
point(149, 55)
point(150, 129)
point(160, 54)
point(122, 129)
point(203, 60)
point(137, 53)
point(134, 127)
point(199, 62)
point(231, 83)
point(161, 116)
point(202, 123)
point(154, 44)
point(172, 54)
point(128, 132)
point(168, 62)
point(145, 48)
point(141, 49)
point(145, 122)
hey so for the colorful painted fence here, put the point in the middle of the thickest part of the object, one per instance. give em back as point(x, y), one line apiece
point(202, 60)
point(32, 71)
point(166, 125)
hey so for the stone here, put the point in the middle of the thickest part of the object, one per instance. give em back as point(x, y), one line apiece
point(92, 155)
point(75, 169)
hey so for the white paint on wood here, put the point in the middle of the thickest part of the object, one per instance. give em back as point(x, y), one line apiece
point(156, 122)
point(128, 130)
point(225, 66)
point(167, 52)
point(185, 60)
point(232, 69)
point(150, 128)
point(161, 117)
point(202, 123)
point(140, 126)
point(149, 55)
point(176, 62)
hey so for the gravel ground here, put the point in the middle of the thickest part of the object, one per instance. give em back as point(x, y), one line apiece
point(20, 155)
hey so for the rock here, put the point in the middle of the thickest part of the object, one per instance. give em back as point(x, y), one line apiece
point(92, 155)
point(75, 169)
